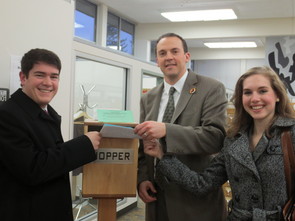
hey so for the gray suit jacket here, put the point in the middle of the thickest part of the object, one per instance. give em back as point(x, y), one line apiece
point(195, 133)
point(257, 179)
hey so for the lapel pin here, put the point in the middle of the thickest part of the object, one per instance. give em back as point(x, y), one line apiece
point(192, 90)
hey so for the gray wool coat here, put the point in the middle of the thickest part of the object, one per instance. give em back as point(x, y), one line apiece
point(257, 178)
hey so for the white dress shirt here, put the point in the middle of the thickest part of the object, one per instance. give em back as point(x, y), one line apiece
point(164, 100)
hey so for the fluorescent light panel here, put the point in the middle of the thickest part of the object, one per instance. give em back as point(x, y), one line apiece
point(200, 15)
point(242, 44)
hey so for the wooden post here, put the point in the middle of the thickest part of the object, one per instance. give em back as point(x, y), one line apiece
point(113, 175)
point(107, 209)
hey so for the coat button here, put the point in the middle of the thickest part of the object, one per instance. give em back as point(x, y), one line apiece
point(272, 148)
point(254, 198)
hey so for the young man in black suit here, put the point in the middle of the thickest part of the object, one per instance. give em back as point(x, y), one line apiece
point(34, 159)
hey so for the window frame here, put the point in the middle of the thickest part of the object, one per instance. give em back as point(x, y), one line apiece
point(119, 25)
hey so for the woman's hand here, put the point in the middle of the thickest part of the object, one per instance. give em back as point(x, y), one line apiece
point(153, 148)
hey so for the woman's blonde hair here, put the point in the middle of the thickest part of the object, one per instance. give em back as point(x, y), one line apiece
point(241, 117)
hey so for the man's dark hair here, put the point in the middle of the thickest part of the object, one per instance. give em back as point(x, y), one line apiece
point(37, 55)
point(172, 35)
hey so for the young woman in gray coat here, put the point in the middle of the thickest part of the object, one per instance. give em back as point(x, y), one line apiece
point(252, 157)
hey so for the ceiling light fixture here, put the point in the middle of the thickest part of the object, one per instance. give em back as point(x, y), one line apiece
point(241, 44)
point(200, 15)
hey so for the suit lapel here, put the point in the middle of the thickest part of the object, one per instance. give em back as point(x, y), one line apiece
point(153, 102)
point(188, 90)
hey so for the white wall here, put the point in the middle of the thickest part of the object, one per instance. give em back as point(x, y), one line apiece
point(217, 29)
point(226, 71)
point(39, 24)
point(237, 53)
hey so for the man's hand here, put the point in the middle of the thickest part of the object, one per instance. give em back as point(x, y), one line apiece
point(147, 191)
point(151, 130)
point(95, 138)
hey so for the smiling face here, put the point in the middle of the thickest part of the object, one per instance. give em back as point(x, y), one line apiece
point(171, 58)
point(41, 85)
point(259, 98)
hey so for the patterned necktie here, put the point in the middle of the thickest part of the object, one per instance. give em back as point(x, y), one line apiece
point(170, 107)
point(159, 177)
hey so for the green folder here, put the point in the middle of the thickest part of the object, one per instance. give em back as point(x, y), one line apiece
point(120, 116)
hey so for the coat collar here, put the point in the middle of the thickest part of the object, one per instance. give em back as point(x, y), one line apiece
point(32, 108)
point(280, 122)
point(283, 122)
point(154, 98)
point(239, 148)
point(188, 90)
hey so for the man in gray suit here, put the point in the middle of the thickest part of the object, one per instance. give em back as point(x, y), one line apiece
point(194, 134)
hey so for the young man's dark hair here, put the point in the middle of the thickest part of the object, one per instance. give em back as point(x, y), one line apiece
point(37, 55)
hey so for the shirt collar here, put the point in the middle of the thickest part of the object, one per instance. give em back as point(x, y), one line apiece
point(45, 108)
point(178, 85)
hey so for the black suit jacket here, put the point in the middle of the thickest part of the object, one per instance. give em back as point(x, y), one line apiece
point(35, 161)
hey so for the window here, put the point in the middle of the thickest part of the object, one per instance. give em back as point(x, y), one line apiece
point(85, 20)
point(97, 86)
point(104, 85)
point(152, 52)
point(150, 81)
point(120, 34)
